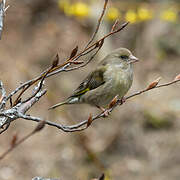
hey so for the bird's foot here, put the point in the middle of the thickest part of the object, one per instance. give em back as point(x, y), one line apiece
point(105, 112)
point(122, 100)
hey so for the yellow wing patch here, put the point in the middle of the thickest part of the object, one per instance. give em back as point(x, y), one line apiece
point(83, 91)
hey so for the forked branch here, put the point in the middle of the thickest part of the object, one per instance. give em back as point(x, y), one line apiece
point(20, 105)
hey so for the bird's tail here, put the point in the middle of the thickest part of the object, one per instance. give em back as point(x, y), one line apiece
point(68, 101)
point(59, 104)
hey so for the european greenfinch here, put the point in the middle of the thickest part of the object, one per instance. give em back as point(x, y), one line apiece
point(112, 76)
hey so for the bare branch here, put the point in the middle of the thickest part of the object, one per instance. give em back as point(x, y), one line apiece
point(3, 9)
point(19, 111)
point(159, 86)
point(98, 24)
point(20, 105)
point(87, 62)
point(3, 96)
point(38, 128)
point(77, 127)
point(63, 67)
point(114, 25)
point(24, 107)
point(7, 116)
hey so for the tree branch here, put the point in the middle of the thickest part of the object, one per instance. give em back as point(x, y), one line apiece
point(84, 124)
point(3, 9)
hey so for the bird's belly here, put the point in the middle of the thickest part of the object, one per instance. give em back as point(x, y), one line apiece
point(116, 84)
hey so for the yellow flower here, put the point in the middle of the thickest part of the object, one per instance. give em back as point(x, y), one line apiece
point(131, 16)
point(78, 9)
point(112, 14)
point(81, 9)
point(69, 10)
point(66, 7)
point(62, 4)
point(169, 15)
point(144, 14)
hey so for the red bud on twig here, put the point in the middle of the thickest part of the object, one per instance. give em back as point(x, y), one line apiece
point(153, 84)
point(74, 52)
point(89, 120)
point(14, 140)
point(55, 62)
point(113, 102)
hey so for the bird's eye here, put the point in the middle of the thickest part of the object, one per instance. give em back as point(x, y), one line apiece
point(124, 56)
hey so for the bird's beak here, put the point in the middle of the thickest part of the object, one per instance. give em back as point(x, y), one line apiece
point(133, 59)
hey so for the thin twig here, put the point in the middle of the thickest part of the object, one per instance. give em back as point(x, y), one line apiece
point(39, 127)
point(24, 107)
point(3, 9)
point(98, 24)
point(3, 96)
point(114, 25)
point(38, 88)
point(10, 115)
point(77, 127)
point(63, 67)
point(59, 68)
point(50, 123)
point(13, 147)
point(87, 62)
point(158, 86)
point(6, 127)
point(84, 124)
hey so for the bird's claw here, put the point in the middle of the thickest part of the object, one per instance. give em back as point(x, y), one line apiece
point(106, 113)
point(122, 100)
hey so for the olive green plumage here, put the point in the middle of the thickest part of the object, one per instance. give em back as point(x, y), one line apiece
point(112, 76)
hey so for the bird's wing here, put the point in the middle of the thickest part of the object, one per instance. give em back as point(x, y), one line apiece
point(92, 81)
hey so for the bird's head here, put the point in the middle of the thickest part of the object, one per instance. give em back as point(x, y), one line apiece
point(124, 55)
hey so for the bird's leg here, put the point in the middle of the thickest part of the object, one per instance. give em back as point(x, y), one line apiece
point(105, 111)
point(122, 100)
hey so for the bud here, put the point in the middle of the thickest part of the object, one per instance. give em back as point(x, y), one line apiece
point(56, 61)
point(177, 77)
point(89, 120)
point(153, 84)
point(113, 102)
point(40, 126)
point(74, 52)
point(14, 140)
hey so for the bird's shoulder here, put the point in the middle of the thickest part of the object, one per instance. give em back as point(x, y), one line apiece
point(92, 81)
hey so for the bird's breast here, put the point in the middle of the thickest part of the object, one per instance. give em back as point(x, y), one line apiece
point(119, 80)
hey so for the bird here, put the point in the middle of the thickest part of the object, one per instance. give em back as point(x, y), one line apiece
point(113, 76)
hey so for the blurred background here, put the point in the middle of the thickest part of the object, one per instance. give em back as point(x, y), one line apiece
point(141, 139)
